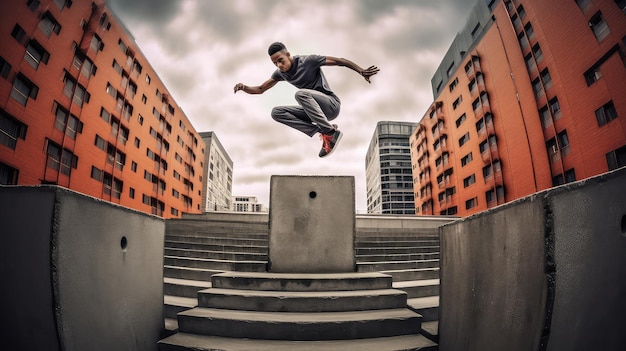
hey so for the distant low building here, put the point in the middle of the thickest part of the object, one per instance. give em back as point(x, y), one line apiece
point(217, 184)
point(247, 204)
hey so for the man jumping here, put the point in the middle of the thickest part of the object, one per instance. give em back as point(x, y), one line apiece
point(318, 105)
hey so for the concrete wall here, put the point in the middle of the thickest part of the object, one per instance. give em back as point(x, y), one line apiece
point(78, 273)
point(546, 272)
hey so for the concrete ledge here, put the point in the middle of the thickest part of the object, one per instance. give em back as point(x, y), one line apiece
point(547, 269)
point(77, 269)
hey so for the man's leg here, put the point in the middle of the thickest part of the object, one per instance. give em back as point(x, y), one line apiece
point(319, 107)
point(295, 117)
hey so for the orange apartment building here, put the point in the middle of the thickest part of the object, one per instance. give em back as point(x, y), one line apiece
point(531, 95)
point(82, 108)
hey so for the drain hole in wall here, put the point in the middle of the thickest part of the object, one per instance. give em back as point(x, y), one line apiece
point(124, 243)
point(623, 225)
point(312, 194)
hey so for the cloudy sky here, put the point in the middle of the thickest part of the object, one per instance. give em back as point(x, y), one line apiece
point(202, 48)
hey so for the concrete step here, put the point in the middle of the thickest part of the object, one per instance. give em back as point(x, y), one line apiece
point(398, 257)
point(419, 288)
point(427, 306)
point(395, 265)
point(219, 240)
point(397, 243)
point(396, 236)
point(219, 255)
point(264, 281)
point(226, 265)
point(221, 232)
point(194, 342)
point(189, 273)
point(299, 326)
point(302, 301)
point(400, 275)
point(262, 249)
point(183, 287)
point(396, 250)
point(172, 305)
point(431, 331)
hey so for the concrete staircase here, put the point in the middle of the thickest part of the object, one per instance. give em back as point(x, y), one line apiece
point(200, 246)
point(236, 306)
point(411, 257)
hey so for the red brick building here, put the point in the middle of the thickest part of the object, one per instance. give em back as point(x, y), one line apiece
point(82, 108)
point(531, 94)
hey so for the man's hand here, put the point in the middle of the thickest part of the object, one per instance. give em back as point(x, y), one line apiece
point(239, 86)
point(370, 71)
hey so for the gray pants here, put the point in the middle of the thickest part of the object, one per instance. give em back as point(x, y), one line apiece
point(313, 114)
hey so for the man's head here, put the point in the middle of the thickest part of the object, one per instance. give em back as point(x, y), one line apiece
point(280, 57)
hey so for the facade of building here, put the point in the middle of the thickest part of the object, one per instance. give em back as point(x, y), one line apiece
point(82, 108)
point(217, 184)
point(530, 95)
point(388, 169)
point(247, 204)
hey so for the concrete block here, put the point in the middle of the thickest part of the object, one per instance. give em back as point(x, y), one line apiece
point(312, 224)
point(84, 274)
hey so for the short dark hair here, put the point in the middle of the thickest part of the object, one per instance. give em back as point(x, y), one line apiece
point(275, 47)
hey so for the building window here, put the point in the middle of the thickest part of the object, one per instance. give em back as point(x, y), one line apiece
point(450, 69)
point(523, 40)
point(537, 88)
point(8, 175)
point(460, 120)
point(530, 32)
point(456, 102)
point(32, 4)
point(19, 34)
point(521, 12)
point(63, 3)
point(582, 4)
point(593, 75)
point(5, 68)
point(66, 122)
point(621, 4)
point(555, 108)
point(23, 89)
point(476, 31)
point(10, 130)
point(100, 143)
point(606, 113)
point(96, 43)
point(599, 27)
point(570, 176)
point(544, 115)
point(563, 142)
point(59, 159)
point(464, 139)
point(35, 54)
point(454, 83)
point(469, 181)
point(49, 24)
point(131, 193)
point(84, 64)
point(517, 23)
point(616, 158)
point(546, 78)
point(537, 53)
point(133, 166)
point(75, 91)
point(487, 172)
point(467, 159)
point(471, 203)
point(530, 62)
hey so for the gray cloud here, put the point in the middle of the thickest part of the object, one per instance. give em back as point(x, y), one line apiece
point(202, 48)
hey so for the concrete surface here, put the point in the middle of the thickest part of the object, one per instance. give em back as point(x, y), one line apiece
point(546, 272)
point(78, 273)
point(312, 224)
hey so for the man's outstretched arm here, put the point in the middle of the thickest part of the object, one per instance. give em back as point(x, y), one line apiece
point(260, 89)
point(338, 61)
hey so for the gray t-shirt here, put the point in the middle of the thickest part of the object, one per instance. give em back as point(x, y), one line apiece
point(306, 73)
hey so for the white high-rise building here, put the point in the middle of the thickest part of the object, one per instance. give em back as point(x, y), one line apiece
point(217, 184)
